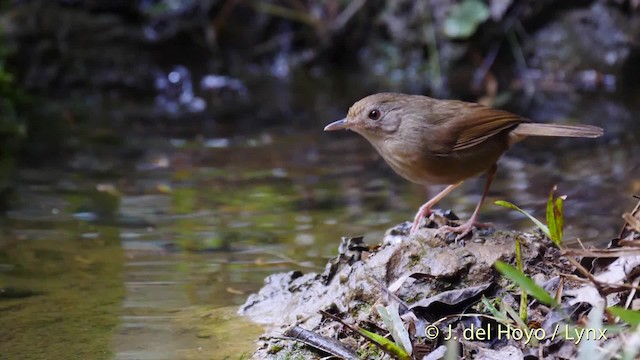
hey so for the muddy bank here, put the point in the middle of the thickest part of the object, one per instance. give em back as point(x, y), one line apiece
point(444, 290)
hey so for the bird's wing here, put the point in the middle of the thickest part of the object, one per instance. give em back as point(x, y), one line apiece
point(480, 124)
point(471, 124)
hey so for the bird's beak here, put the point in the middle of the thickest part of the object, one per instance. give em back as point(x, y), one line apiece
point(337, 125)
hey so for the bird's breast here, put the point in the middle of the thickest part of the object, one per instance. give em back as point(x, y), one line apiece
point(423, 167)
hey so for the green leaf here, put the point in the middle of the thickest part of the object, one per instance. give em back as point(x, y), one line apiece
point(525, 283)
point(539, 224)
point(464, 19)
point(520, 322)
point(512, 314)
point(492, 309)
point(555, 217)
point(389, 346)
point(395, 326)
point(631, 317)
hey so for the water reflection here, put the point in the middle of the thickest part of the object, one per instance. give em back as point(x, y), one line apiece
point(192, 220)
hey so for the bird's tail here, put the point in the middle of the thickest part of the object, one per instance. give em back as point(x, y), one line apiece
point(536, 129)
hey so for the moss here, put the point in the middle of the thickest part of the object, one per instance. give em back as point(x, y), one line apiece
point(415, 298)
point(370, 351)
point(70, 294)
point(217, 332)
point(414, 259)
point(361, 308)
point(275, 349)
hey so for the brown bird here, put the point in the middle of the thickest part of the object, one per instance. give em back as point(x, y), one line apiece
point(430, 141)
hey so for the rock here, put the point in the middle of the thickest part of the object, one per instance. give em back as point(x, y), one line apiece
point(411, 269)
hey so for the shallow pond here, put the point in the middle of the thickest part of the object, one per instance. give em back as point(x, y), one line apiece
point(165, 231)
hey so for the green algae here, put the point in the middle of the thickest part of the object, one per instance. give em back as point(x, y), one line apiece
point(71, 295)
point(217, 332)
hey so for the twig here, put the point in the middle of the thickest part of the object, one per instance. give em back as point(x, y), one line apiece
point(434, 53)
point(633, 212)
point(322, 343)
point(343, 18)
point(602, 253)
point(286, 13)
point(467, 315)
point(632, 294)
point(611, 287)
point(583, 271)
point(488, 61)
point(632, 221)
point(518, 54)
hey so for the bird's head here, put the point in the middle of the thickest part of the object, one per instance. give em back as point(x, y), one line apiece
point(375, 117)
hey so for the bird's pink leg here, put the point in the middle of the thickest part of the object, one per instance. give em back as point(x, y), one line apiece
point(465, 228)
point(425, 209)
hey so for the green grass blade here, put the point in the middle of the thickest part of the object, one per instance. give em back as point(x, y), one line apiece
point(523, 296)
point(525, 283)
point(512, 314)
point(492, 309)
point(555, 217)
point(389, 346)
point(395, 326)
point(558, 211)
point(539, 224)
point(631, 317)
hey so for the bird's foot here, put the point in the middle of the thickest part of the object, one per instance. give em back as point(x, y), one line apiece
point(414, 227)
point(461, 230)
point(423, 212)
point(464, 229)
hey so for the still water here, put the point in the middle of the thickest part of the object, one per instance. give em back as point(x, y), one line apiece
point(142, 247)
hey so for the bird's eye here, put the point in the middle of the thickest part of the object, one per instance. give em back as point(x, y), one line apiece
point(374, 114)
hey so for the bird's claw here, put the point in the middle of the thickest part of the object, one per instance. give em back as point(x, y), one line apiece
point(414, 227)
point(422, 213)
point(462, 230)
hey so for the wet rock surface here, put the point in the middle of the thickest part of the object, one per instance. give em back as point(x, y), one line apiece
point(426, 263)
point(435, 283)
point(412, 269)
